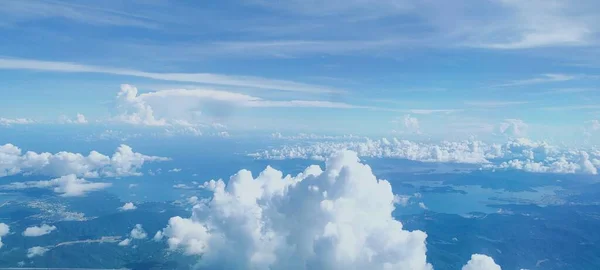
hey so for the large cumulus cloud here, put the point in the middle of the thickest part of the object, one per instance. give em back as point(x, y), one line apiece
point(339, 218)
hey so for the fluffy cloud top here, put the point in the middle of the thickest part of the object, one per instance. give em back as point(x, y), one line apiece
point(519, 154)
point(66, 186)
point(513, 127)
point(124, 162)
point(125, 242)
point(79, 119)
point(36, 231)
point(36, 251)
point(339, 218)
point(4, 230)
point(138, 232)
point(481, 262)
point(128, 207)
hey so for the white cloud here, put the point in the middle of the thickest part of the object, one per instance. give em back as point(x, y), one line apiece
point(458, 152)
point(513, 127)
point(125, 242)
point(335, 219)
point(595, 125)
point(542, 24)
point(409, 124)
point(193, 200)
point(481, 262)
point(36, 231)
point(544, 78)
point(66, 186)
point(128, 207)
point(158, 236)
point(16, 121)
point(183, 107)
point(175, 170)
point(4, 230)
point(223, 134)
point(401, 199)
point(203, 78)
point(138, 232)
point(551, 165)
point(422, 205)
point(340, 218)
point(36, 251)
point(79, 119)
point(182, 186)
point(124, 162)
point(520, 154)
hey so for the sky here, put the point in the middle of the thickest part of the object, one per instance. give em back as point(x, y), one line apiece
point(448, 70)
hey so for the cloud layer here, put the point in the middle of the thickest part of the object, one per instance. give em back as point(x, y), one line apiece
point(518, 154)
point(124, 162)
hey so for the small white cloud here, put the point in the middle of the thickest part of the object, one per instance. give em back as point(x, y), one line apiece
point(138, 232)
point(133, 185)
point(175, 170)
point(401, 199)
point(79, 119)
point(158, 236)
point(411, 123)
point(125, 242)
point(423, 206)
point(595, 125)
point(182, 186)
point(481, 262)
point(193, 200)
point(513, 127)
point(66, 186)
point(128, 207)
point(4, 230)
point(223, 134)
point(36, 251)
point(36, 231)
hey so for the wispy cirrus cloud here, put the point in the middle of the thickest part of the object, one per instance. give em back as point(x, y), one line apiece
point(203, 78)
point(544, 78)
point(493, 103)
point(15, 12)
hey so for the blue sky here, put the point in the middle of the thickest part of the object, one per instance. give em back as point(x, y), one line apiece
point(423, 69)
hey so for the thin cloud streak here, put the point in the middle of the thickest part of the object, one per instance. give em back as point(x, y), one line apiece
point(544, 78)
point(494, 103)
point(205, 78)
